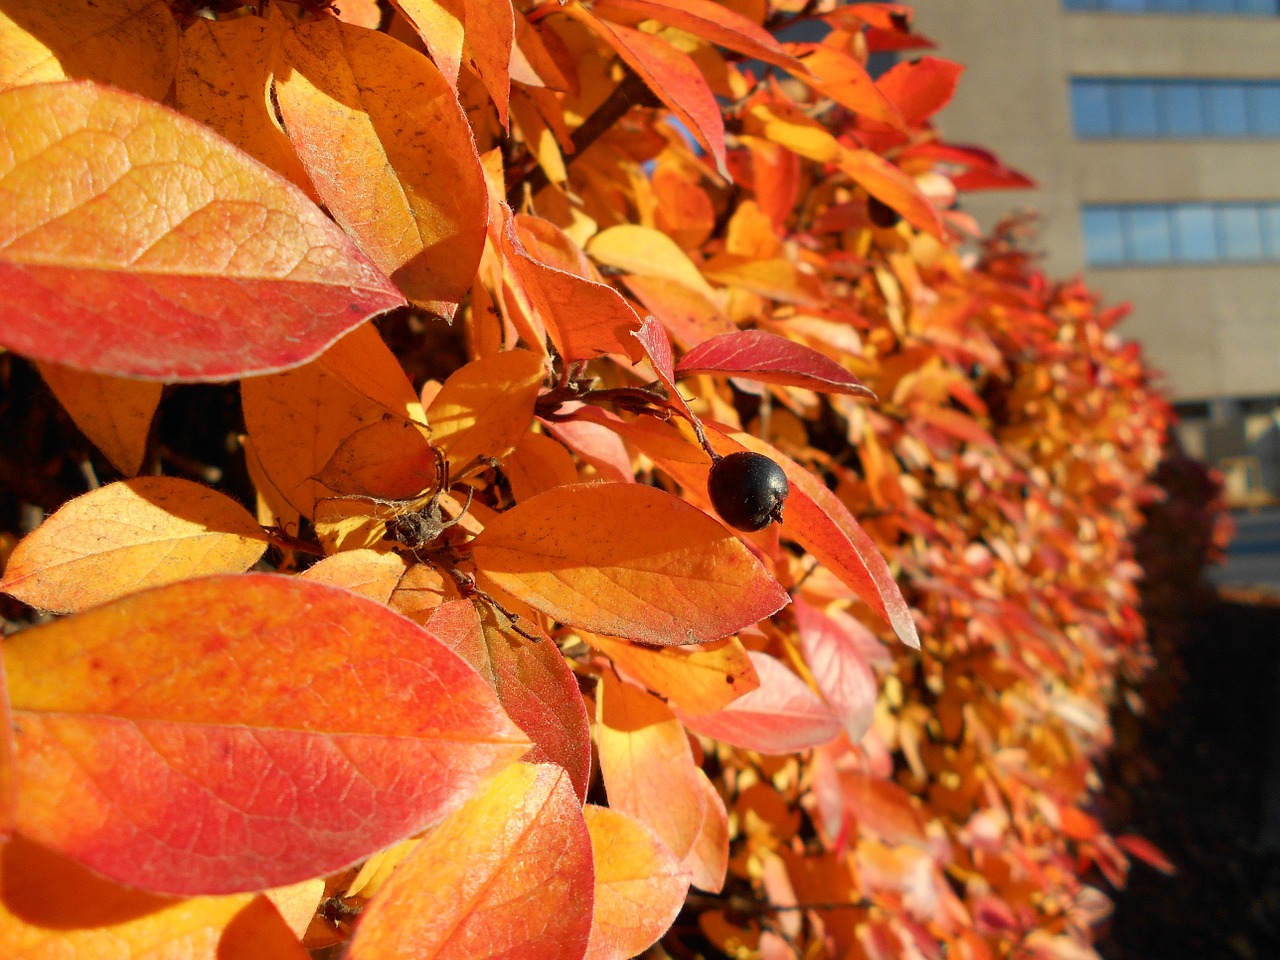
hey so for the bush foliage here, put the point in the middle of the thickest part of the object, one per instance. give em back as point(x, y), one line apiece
point(483, 674)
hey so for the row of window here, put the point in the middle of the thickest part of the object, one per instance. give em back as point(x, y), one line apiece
point(1249, 8)
point(1154, 233)
point(1113, 107)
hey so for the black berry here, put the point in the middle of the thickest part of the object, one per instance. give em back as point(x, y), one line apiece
point(747, 490)
point(881, 214)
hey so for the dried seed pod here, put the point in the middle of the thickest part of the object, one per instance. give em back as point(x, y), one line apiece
point(747, 490)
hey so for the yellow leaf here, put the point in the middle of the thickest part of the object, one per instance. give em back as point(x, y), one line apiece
point(113, 412)
point(131, 44)
point(128, 536)
point(224, 70)
point(698, 679)
point(649, 253)
point(485, 407)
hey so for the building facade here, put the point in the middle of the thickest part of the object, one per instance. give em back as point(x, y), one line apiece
point(1153, 130)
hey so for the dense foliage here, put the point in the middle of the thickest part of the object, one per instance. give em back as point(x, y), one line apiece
point(622, 241)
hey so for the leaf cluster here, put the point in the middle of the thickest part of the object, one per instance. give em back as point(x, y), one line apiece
point(481, 670)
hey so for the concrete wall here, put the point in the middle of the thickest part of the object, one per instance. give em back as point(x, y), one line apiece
point(1214, 329)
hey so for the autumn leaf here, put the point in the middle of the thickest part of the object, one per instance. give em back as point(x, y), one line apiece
point(132, 44)
point(672, 75)
point(52, 906)
point(420, 211)
point(640, 885)
point(841, 671)
point(507, 874)
point(711, 21)
point(534, 683)
point(128, 536)
point(641, 743)
point(759, 355)
point(781, 716)
point(486, 406)
point(235, 733)
point(236, 273)
point(628, 561)
point(113, 412)
point(708, 860)
point(699, 679)
point(236, 59)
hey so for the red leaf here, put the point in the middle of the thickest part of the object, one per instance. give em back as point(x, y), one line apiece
point(657, 347)
point(672, 75)
point(711, 22)
point(920, 88)
point(758, 355)
point(782, 716)
point(235, 272)
point(839, 668)
point(982, 169)
point(1147, 852)
point(242, 732)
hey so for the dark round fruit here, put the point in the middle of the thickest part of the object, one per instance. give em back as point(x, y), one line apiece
point(747, 490)
point(881, 214)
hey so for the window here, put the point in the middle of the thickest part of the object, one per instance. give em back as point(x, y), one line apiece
point(1246, 8)
point(1175, 109)
point(1172, 233)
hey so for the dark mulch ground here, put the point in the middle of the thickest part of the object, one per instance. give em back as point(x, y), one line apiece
point(1198, 784)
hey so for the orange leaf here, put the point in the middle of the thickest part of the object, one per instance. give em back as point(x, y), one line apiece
point(235, 58)
point(235, 733)
point(112, 412)
point(236, 272)
point(782, 716)
point(1147, 852)
point(369, 573)
point(671, 74)
point(711, 22)
point(709, 859)
point(490, 33)
point(920, 88)
point(883, 809)
point(820, 522)
point(128, 536)
point(536, 686)
point(131, 44)
point(421, 208)
point(51, 906)
point(775, 278)
point(391, 459)
point(486, 406)
point(626, 560)
point(640, 886)
point(536, 464)
point(439, 23)
point(887, 183)
point(641, 744)
point(298, 419)
point(838, 75)
point(697, 679)
point(507, 874)
point(647, 252)
point(585, 319)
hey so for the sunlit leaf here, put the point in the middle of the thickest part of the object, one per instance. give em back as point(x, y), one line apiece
point(772, 359)
point(507, 874)
point(628, 561)
point(420, 211)
point(53, 907)
point(131, 44)
point(640, 886)
point(128, 536)
point(236, 272)
point(844, 679)
point(698, 679)
point(236, 733)
point(641, 744)
point(781, 716)
point(486, 406)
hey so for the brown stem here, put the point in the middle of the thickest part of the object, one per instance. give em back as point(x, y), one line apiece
point(631, 92)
